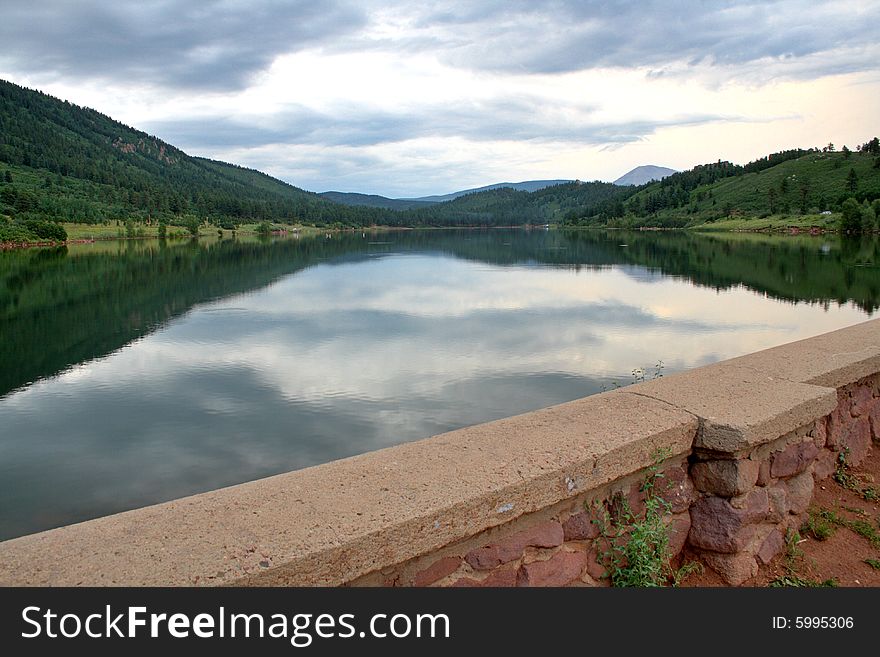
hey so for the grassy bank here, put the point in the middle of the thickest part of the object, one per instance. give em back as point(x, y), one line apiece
point(112, 231)
point(774, 223)
point(80, 232)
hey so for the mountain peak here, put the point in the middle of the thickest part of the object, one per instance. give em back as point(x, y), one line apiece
point(644, 174)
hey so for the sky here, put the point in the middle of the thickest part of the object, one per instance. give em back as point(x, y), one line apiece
point(407, 99)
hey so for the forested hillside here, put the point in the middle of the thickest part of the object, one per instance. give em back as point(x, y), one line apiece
point(793, 182)
point(374, 200)
point(510, 207)
point(61, 162)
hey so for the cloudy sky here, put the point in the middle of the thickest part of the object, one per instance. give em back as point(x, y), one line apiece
point(416, 98)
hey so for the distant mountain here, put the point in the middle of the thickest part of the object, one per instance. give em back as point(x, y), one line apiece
point(373, 201)
point(644, 174)
point(525, 186)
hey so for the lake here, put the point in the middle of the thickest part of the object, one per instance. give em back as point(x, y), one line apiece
point(137, 372)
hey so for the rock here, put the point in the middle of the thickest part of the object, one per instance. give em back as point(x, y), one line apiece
point(437, 571)
point(799, 492)
point(857, 438)
point(560, 569)
point(676, 488)
point(793, 459)
point(595, 568)
point(725, 478)
point(837, 421)
point(717, 525)
point(824, 465)
point(763, 473)
point(820, 433)
point(778, 498)
point(503, 577)
point(772, 545)
point(678, 527)
point(546, 535)
point(633, 501)
point(734, 569)
point(861, 398)
point(756, 503)
point(874, 421)
point(580, 527)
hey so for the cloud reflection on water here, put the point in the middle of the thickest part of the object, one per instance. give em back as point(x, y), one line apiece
point(343, 358)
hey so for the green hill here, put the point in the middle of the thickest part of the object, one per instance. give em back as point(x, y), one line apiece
point(511, 207)
point(374, 200)
point(792, 186)
point(61, 162)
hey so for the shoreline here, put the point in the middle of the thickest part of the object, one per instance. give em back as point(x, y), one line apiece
point(313, 231)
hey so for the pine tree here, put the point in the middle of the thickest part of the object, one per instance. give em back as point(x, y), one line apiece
point(852, 180)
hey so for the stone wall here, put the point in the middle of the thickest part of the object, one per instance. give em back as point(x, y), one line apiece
point(561, 546)
point(732, 509)
point(751, 498)
point(513, 502)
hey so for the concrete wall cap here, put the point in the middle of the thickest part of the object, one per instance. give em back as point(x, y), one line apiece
point(740, 407)
point(832, 359)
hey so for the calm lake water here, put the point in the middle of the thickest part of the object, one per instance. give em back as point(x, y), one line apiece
point(137, 372)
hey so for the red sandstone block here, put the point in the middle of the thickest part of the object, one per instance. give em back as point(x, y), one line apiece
point(546, 535)
point(725, 478)
point(437, 571)
point(763, 473)
point(793, 459)
point(733, 568)
point(636, 499)
point(580, 527)
point(595, 568)
point(799, 492)
point(820, 433)
point(824, 465)
point(874, 420)
point(837, 421)
point(857, 438)
point(676, 488)
point(777, 496)
point(562, 568)
point(861, 399)
point(771, 546)
point(503, 577)
point(678, 527)
point(719, 526)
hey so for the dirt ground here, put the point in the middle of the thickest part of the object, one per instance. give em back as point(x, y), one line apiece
point(840, 557)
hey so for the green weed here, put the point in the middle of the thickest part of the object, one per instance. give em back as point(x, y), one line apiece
point(794, 580)
point(861, 527)
point(846, 479)
point(637, 546)
point(818, 527)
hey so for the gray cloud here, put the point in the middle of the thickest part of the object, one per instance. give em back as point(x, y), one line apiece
point(520, 119)
point(571, 35)
point(319, 151)
point(211, 44)
point(219, 44)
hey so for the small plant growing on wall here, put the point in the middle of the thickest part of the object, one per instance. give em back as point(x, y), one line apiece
point(637, 550)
